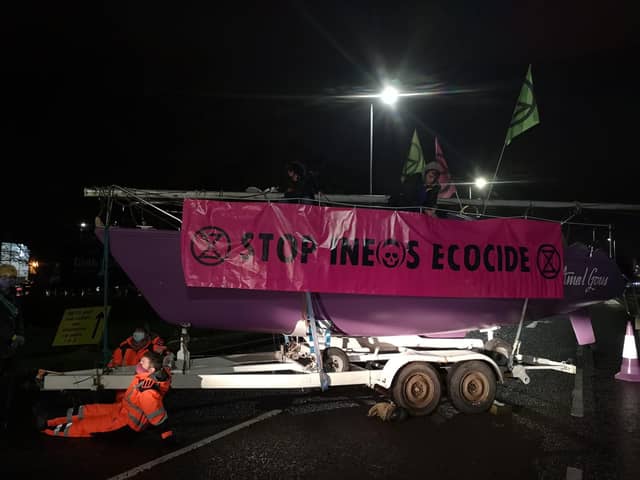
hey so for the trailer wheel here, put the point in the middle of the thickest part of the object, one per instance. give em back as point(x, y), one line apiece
point(335, 360)
point(472, 386)
point(417, 389)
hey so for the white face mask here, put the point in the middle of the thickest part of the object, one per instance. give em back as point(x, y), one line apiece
point(138, 336)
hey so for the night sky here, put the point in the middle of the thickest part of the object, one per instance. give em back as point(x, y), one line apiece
point(215, 96)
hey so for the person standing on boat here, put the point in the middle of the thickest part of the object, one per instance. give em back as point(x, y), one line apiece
point(11, 339)
point(299, 184)
point(428, 194)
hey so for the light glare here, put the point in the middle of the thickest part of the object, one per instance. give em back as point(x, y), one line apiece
point(480, 183)
point(389, 95)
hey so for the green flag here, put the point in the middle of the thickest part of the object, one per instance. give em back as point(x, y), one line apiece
point(415, 161)
point(525, 115)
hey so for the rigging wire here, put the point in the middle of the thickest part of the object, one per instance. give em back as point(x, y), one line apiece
point(135, 198)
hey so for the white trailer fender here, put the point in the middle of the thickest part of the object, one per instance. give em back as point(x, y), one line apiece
point(442, 359)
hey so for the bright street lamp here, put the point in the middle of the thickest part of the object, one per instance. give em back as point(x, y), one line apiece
point(389, 96)
point(479, 183)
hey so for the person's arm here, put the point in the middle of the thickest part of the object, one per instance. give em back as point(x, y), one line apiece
point(5, 330)
point(154, 410)
point(19, 328)
point(166, 430)
point(16, 325)
point(158, 346)
point(116, 358)
point(431, 200)
point(435, 191)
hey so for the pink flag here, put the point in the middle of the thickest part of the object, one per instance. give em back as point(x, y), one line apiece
point(447, 189)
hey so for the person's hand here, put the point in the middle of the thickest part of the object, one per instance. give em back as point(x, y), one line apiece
point(384, 410)
point(168, 437)
point(167, 361)
point(17, 341)
point(147, 383)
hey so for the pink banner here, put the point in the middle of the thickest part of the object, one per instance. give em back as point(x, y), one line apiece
point(293, 247)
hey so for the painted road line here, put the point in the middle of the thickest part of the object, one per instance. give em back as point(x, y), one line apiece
point(194, 446)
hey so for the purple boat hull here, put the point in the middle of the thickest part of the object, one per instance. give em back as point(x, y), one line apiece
point(151, 259)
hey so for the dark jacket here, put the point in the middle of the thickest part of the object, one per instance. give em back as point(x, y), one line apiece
point(303, 188)
point(428, 195)
point(11, 323)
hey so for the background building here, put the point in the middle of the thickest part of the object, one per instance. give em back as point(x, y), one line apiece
point(16, 254)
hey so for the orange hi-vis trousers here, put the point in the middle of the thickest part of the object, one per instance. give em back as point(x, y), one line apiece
point(89, 419)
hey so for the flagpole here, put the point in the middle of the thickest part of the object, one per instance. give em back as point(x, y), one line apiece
point(495, 175)
point(524, 116)
point(458, 197)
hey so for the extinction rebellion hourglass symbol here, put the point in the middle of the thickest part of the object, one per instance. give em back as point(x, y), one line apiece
point(548, 261)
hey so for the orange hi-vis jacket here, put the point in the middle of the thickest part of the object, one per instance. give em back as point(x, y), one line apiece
point(129, 353)
point(143, 402)
point(141, 406)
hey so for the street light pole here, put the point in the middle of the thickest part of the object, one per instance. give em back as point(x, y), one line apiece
point(371, 151)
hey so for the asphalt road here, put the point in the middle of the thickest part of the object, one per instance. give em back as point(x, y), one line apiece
point(328, 435)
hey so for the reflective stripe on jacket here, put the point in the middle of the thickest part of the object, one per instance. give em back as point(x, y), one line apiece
point(143, 402)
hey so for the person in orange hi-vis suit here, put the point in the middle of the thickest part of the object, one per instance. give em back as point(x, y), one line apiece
point(141, 406)
point(130, 351)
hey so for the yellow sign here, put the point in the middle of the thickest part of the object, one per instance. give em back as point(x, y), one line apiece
point(80, 326)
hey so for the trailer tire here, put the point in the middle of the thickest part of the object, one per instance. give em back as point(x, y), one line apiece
point(417, 388)
point(335, 360)
point(472, 386)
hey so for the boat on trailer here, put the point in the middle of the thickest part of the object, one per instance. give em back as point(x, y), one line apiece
point(406, 344)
